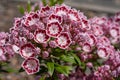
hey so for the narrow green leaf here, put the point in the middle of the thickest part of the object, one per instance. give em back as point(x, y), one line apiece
point(50, 67)
point(77, 59)
point(68, 58)
point(21, 9)
point(28, 6)
point(63, 69)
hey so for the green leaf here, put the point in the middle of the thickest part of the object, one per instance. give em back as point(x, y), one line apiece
point(10, 70)
point(50, 67)
point(44, 2)
point(63, 69)
point(60, 1)
point(28, 6)
point(51, 2)
point(76, 59)
point(21, 9)
point(68, 58)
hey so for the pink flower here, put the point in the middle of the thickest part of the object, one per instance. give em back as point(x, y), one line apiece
point(98, 20)
point(115, 31)
point(28, 50)
point(55, 18)
point(45, 11)
point(62, 10)
point(15, 48)
point(91, 39)
point(52, 44)
point(31, 65)
point(31, 20)
point(54, 29)
point(73, 15)
point(97, 30)
point(86, 47)
point(63, 40)
point(17, 22)
point(85, 25)
point(40, 36)
point(2, 54)
point(103, 52)
point(45, 54)
point(117, 17)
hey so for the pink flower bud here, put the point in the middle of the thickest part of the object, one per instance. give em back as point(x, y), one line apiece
point(45, 54)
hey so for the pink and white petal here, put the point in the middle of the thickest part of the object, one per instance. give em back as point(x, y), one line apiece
point(86, 47)
point(15, 48)
point(31, 20)
point(40, 36)
point(63, 40)
point(31, 65)
point(102, 53)
point(62, 10)
point(45, 9)
point(54, 29)
point(27, 50)
point(2, 52)
point(55, 18)
point(92, 39)
point(114, 32)
point(85, 25)
point(73, 15)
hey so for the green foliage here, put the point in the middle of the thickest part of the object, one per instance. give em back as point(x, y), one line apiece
point(68, 58)
point(63, 69)
point(44, 2)
point(52, 2)
point(21, 9)
point(28, 6)
point(50, 67)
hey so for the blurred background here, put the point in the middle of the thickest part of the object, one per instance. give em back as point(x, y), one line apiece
point(9, 10)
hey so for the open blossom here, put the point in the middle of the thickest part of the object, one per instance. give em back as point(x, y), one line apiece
point(31, 19)
point(115, 31)
point(86, 47)
point(73, 15)
point(55, 18)
point(103, 52)
point(63, 40)
point(40, 36)
point(62, 10)
point(31, 65)
point(54, 29)
point(27, 50)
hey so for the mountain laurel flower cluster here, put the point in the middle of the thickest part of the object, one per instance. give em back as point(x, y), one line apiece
point(61, 41)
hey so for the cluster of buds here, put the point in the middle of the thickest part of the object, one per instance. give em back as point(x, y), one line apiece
point(38, 33)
